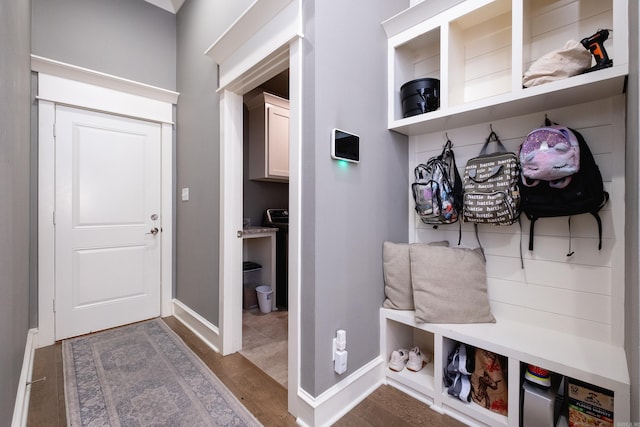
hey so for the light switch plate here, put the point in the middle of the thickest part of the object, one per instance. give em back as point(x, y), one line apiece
point(185, 194)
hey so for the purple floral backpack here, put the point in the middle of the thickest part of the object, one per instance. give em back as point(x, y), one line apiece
point(559, 177)
point(551, 154)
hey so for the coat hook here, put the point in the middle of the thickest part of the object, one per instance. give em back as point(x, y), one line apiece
point(447, 143)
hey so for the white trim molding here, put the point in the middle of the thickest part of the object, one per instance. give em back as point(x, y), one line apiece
point(295, 213)
point(166, 206)
point(260, 35)
point(334, 403)
point(169, 5)
point(197, 324)
point(46, 230)
point(62, 90)
point(264, 41)
point(40, 64)
point(98, 92)
point(21, 407)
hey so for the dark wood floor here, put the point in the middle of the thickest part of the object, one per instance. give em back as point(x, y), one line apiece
point(261, 394)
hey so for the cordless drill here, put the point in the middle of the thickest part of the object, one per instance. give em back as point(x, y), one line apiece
point(595, 44)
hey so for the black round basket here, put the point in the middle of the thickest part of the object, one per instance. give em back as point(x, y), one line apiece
point(420, 96)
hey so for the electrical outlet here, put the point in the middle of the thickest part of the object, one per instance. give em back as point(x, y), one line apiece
point(341, 337)
point(339, 343)
point(340, 364)
point(334, 349)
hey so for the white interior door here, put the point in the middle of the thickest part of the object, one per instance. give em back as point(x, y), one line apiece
point(107, 221)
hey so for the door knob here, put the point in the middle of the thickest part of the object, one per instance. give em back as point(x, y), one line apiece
point(153, 231)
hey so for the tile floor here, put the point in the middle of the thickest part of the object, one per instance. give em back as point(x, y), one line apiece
point(264, 342)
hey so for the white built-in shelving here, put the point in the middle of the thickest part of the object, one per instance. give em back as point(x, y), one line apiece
point(584, 359)
point(479, 50)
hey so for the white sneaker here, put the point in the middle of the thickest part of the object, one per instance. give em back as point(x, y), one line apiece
point(416, 360)
point(398, 359)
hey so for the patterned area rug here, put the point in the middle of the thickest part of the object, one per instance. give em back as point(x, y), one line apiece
point(144, 375)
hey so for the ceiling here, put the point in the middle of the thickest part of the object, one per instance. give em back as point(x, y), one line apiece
point(170, 5)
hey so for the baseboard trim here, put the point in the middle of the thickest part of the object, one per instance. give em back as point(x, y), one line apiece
point(21, 408)
point(335, 402)
point(197, 324)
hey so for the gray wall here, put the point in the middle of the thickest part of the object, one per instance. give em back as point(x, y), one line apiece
point(200, 22)
point(15, 45)
point(632, 297)
point(348, 212)
point(126, 38)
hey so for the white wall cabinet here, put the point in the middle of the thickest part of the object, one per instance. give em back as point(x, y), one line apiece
point(268, 138)
point(479, 49)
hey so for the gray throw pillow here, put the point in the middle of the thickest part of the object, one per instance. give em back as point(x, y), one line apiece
point(397, 274)
point(396, 269)
point(449, 285)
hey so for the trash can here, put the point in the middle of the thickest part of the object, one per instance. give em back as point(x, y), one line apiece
point(264, 298)
point(249, 296)
point(250, 279)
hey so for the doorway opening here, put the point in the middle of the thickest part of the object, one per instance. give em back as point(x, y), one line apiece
point(266, 192)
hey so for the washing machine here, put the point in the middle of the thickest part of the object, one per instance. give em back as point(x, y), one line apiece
point(279, 218)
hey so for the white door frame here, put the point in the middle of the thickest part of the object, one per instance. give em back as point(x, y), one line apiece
point(60, 83)
point(264, 41)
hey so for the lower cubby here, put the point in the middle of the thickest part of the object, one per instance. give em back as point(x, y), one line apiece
point(402, 336)
point(542, 395)
point(548, 398)
point(597, 371)
point(488, 398)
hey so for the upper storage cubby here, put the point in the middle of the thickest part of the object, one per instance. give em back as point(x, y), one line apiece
point(479, 54)
point(480, 49)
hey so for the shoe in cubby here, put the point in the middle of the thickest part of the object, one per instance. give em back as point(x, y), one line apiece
point(399, 359)
point(417, 359)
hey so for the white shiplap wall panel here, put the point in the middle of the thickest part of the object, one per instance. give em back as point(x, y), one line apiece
point(574, 304)
point(480, 67)
point(475, 89)
point(584, 278)
point(571, 20)
point(427, 60)
point(557, 322)
point(562, 14)
point(490, 50)
point(552, 248)
point(582, 226)
point(580, 294)
point(428, 67)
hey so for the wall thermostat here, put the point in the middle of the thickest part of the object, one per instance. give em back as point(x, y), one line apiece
point(345, 146)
